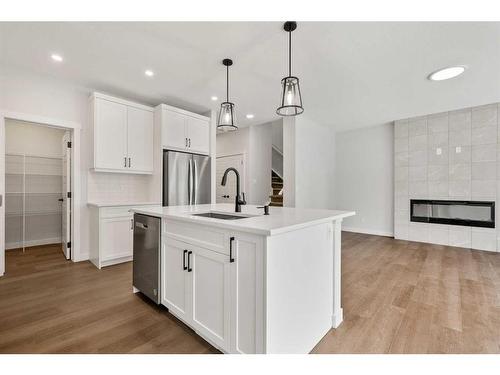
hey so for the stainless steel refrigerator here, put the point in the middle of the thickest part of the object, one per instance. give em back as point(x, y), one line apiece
point(186, 178)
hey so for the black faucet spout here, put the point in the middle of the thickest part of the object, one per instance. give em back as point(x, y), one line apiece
point(239, 201)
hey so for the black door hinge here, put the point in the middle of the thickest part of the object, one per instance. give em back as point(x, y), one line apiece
point(69, 245)
point(69, 194)
point(69, 144)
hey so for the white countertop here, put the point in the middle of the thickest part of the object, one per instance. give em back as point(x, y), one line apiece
point(121, 204)
point(280, 220)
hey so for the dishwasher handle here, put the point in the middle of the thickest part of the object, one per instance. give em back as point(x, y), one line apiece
point(141, 225)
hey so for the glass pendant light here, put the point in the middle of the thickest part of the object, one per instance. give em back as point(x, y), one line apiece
point(291, 100)
point(226, 115)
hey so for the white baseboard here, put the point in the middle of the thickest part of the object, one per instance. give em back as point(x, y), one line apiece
point(338, 318)
point(368, 231)
point(82, 257)
point(45, 241)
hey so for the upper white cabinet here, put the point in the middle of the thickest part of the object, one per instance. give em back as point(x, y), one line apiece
point(123, 135)
point(184, 131)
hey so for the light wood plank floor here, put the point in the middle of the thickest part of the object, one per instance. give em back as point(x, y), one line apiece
point(398, 297)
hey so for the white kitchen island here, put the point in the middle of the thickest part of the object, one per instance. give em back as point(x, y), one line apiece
point(261, 284)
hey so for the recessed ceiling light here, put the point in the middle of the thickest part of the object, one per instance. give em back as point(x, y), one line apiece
point(149, 73)
point(214, 98)
point(447, 73)
point(250, 116)
point(56, 57)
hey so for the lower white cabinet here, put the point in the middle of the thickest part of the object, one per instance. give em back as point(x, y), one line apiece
point(218, 293)
point(111, 235)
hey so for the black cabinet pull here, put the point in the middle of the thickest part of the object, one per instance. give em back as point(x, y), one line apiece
point(189, 261)
point(184, 260)
point(231, 259)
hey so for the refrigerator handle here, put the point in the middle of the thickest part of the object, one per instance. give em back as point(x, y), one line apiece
point(190, 183)
point(195, 180)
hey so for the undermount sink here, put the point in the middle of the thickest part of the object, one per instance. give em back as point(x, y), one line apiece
point(221, 216)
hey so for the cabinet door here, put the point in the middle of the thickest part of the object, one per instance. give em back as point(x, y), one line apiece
point(110, 135)
point(173, 130)
point(174, 288)
point(198, 134)
point(210, 298)
point(117, 238)
point(140, 140)
point(247, 297)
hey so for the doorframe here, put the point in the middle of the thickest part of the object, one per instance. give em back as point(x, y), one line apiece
point(244, 187)
point(75, 129)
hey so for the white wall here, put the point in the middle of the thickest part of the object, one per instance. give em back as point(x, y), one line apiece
point(278, 134)
point(309, 164)
point(43, 96)
point(364, 178)
point(27, 138)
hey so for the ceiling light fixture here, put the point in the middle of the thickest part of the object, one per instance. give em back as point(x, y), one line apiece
point(226, 115)
point(447, 73)
point(291, 100)
point(214, 98)
point(250, 116)
point(149, 73)
point(56, 57)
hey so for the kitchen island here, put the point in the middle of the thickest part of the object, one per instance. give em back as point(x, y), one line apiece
point(248, 282)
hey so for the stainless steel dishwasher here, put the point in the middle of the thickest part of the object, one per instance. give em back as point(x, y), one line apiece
point(146, 265)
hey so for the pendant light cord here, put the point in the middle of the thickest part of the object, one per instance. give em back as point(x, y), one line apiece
point(289, 53)
point(227, 83)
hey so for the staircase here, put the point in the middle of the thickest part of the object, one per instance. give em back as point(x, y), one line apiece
point(277, 186)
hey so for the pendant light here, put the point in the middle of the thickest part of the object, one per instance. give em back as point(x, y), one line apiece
point(226, 114)
point(291, 101)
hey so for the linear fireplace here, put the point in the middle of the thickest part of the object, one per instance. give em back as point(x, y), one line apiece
point(467, 213)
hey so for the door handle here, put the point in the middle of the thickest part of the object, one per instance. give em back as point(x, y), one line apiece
point(231, 259)
point(186, 140)
point(132, 224)
point(125, 162)
point(189, 143)
point(184, 260)
point(189, 261)
point(129, 162)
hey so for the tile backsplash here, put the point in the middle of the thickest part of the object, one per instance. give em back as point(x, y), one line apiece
point(116, 187)
point(451, 155)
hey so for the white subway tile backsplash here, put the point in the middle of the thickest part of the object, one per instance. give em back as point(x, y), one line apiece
point(484, 135)
point(417, 126)
point(484, 171)
point(484, 153)
point(437, 173)
point(418, 142)
point(438, 124)
point(458, 172)
point(484, 116)
point(401, 129)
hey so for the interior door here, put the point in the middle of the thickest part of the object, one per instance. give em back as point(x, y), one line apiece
point(210, 296)
point(175, 278)
point(198, 133)
point(226, 194)
point(140, 139)
point(66, 199)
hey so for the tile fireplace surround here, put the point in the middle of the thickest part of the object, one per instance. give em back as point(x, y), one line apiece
point(447, 156)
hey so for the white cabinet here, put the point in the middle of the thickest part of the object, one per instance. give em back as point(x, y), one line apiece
point(184, 131)
point(216, 289)
point(122, 135)
point(111, 235)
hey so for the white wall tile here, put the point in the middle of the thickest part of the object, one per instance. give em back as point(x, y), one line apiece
point(484, 170)
point(401, 129)
point(417, 126)
point(459, 172)
point(438, 140)
point(401, 159)
point(437, 156)
point(459, 138)
point(459, 154)
point(401, 231)
point(459, 189)
point(437, 173)
point(401, 144)
point(402, 216)
point(418, 189)
point(484, 116)
point(484, 153)
point(418, 173)
point(416, 158)
point(484, 239)
point(401, 188)
point(418, 232)
point(438, 123)
point(459, 120)
point(401, 174)
point(460, 236)
point(437, 189)
point(484, 135)
point(401, 203)
point(483, 189)
point(438, 234)
point(418, 142)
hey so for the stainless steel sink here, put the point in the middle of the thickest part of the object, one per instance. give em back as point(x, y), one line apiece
point(221, 216)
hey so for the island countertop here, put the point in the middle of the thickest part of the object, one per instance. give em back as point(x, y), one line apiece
point(280, 220)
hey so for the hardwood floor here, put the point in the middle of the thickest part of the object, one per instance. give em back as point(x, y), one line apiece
point(398, 297)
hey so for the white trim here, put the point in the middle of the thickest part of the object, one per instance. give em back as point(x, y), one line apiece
point(277, 150)
point(183, 112)
point(368, 231)
point(46, 241)
point(114, 99)
point(75, 175)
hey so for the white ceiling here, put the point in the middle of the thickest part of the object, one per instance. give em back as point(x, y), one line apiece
point(352, 74)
